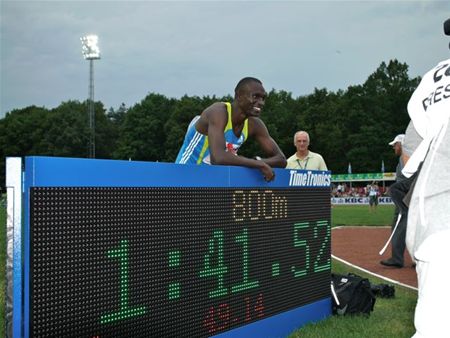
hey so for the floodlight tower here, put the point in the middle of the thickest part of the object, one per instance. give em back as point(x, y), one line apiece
point(91, 52)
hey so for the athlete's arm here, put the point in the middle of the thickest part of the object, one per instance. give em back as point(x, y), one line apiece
point(217, 117)
point(274, 156)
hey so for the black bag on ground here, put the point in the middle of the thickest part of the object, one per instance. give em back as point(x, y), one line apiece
point(383, 290)
point(351, 294)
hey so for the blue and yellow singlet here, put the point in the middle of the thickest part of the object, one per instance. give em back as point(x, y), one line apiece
point(195, 148)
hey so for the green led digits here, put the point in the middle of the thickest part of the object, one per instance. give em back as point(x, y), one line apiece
point(125, 311)
point(327, 265)
point(275, 269)
point(298, 243)
point(246, 284)
point(174, 262)
point(215, 255)
point(317, 267)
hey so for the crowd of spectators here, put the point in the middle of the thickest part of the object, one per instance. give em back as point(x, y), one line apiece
point(356, 190)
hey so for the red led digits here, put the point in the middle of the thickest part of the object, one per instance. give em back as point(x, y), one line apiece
point(259, 306)
point(223, 314)
point(220, 317)
point(247, 309)
point(209, 323)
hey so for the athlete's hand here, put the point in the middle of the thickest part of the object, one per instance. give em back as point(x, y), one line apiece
point(268, 173)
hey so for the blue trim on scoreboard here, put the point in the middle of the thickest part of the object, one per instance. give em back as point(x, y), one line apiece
point(283, 324)
point(74, 172)
point(27, 183)
point(69, 172)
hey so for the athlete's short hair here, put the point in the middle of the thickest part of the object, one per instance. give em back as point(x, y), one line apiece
point(245, 81)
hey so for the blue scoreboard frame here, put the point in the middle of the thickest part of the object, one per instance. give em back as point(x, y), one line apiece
point(125, 248)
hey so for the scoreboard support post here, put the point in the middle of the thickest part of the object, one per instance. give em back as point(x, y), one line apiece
point(123, 248)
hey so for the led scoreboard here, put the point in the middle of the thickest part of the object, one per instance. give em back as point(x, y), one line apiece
point(135, 249)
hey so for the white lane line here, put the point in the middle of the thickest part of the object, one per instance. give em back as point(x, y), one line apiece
point(369, 272)
point(374, 274)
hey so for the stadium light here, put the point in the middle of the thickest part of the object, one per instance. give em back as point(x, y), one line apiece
point(91, 52)
point(90, 49)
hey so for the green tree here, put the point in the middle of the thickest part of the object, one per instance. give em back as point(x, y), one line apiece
point(142, 134)
point(21, 134)
point(67, 131)
point(117, 116)
point(22, 131)
point(381, 114)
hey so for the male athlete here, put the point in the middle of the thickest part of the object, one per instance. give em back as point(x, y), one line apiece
point(215, 136)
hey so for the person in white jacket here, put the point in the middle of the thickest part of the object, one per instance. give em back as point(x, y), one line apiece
point(428, 229)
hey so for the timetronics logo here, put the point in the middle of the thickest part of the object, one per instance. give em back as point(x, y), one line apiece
point(309, 179)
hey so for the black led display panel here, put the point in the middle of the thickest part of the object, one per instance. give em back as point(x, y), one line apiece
point(173, 262)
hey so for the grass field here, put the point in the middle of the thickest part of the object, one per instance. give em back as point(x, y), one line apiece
point(360, 215)
point(390, 318)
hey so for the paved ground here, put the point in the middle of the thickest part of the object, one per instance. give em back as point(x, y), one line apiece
point(360, 246)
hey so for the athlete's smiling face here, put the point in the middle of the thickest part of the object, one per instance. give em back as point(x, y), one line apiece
point(252, 99)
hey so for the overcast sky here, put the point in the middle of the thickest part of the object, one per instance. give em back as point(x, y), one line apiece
point(205, 47)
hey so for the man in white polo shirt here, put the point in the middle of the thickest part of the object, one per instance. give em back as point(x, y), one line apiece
point(304, 158)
